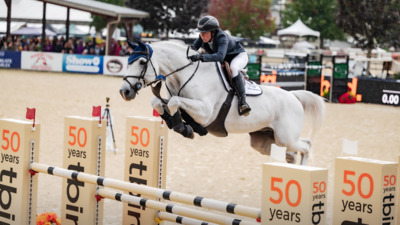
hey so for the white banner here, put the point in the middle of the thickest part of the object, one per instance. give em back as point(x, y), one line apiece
point(41, 61)
point(115, 65)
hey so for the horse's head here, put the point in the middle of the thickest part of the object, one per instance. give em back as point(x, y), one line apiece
point(138, 75)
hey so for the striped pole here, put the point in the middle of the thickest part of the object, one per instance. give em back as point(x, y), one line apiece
point(150, 191)
point(180, 219)
point(179, 210)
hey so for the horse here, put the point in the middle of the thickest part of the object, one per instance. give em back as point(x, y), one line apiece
point(196, 95)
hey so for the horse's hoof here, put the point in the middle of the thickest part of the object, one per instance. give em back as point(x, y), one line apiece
point(188, 132)
point(291, 157)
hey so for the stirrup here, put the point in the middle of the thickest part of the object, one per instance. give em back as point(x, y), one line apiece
point(244, 110)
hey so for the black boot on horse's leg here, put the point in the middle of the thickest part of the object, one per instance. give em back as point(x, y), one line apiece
point(238, 86)
point(180, 127)
point(196, 127)
point(168, 119)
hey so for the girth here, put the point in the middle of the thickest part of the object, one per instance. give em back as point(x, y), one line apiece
point(217, 127)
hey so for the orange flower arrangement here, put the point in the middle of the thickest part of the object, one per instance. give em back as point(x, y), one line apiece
point(48, 219)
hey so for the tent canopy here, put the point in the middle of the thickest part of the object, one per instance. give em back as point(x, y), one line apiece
point(269, 41)
point(303, 45)
point(298, 29)
point(33, 31)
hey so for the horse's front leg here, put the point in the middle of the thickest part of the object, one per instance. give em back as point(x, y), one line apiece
point(174, 121)
point(195, 109)
point(199, 110)
point(162, 110)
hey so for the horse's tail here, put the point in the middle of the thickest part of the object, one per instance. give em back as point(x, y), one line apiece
point(314, 108)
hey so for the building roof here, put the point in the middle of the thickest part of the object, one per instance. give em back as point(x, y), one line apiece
point(101, 8)
point(54, 14)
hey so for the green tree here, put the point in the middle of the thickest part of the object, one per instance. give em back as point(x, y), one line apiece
point(100, 22)
point(318, 15)
point(169, 15)
point(370, 22)
point(247, 18)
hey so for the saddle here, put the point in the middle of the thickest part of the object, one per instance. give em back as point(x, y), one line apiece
point(225, 72)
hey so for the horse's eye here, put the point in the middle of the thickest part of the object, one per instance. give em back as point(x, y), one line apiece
point(143, 62)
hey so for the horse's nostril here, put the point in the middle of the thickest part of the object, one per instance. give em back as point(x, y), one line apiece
point(126, 92)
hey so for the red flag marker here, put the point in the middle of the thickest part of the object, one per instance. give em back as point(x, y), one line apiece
point(155, 113)
point(97, 112)
point(31, 115)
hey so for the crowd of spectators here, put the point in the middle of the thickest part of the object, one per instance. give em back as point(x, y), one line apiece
point(87, 46)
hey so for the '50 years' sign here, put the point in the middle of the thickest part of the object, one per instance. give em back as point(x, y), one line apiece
point(294, 195)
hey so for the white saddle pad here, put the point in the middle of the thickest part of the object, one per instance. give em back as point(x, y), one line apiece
point(251, 87)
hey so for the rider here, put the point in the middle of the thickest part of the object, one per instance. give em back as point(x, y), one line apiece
point(219, 47)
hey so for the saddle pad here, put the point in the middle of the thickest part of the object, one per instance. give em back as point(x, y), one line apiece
point(251, 87)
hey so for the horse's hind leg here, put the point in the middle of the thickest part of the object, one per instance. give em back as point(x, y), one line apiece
point(261, 141)
point(303, 146)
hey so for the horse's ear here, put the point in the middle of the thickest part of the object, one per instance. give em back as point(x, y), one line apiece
point(133, 46)
point(141, 44)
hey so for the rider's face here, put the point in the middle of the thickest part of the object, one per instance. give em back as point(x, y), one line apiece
point(205, 36)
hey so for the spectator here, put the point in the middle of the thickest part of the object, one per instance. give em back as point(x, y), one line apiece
point(79, 49)
point(102, 48)
point(18, 44)
point(113, 47)
point(2, 40)
point(97, 49)
point(11, 47)
point(58, 47)
point(26, 47)
point(91, 51)
point(23, 41)
point(67, 48)
point(32, 44)
point(124, 49)
point(48, 46)
point(54, 42)
point(4, 46)
point(62, 41)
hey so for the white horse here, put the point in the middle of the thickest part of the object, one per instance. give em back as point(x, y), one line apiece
point(196, 91)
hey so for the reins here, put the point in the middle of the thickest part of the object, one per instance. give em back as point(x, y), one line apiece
point(156, 89)
point(163, 77)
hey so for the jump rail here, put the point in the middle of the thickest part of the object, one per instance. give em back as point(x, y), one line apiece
point(149, 191)
point(161, 206)
point(180, 219)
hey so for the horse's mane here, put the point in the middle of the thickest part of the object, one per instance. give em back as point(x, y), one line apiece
point(178, 44)
point(174, 47)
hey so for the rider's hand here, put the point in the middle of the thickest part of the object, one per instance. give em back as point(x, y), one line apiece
point(195, 58)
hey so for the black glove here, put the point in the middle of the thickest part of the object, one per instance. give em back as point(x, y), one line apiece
point(195, 58)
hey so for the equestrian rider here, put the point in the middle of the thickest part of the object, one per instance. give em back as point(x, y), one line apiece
point(219, 47)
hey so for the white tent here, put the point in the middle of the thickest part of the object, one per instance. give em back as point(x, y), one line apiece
point(298, 29)
point(265, 40)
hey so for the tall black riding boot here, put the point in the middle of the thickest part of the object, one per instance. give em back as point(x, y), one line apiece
point(238, 84)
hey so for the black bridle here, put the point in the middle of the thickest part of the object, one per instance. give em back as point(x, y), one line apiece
point(138, 85)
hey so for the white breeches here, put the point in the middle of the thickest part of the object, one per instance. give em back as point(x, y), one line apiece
point(238, 63)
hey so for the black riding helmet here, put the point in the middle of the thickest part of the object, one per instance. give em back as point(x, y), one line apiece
point(207, 23)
